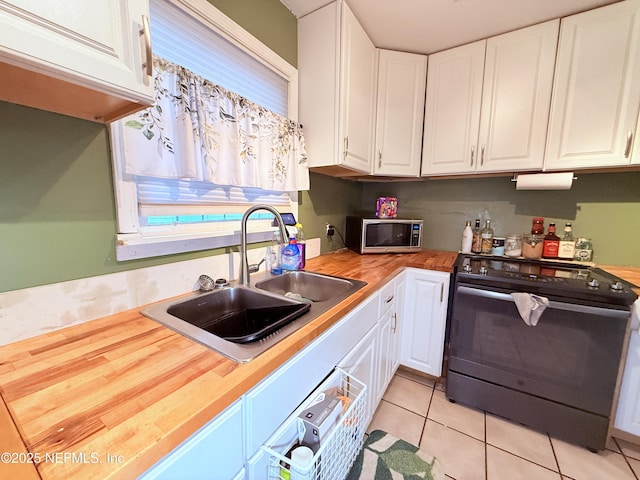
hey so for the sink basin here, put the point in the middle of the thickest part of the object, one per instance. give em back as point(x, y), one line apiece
point(312, 286)
point(238, 315)
point(241, 322)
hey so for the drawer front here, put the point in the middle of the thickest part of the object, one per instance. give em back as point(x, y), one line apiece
point(386, 298)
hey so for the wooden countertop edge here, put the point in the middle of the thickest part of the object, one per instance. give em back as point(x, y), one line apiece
point(18, 467)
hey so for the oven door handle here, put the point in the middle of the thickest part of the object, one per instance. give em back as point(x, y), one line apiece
point(571, 307)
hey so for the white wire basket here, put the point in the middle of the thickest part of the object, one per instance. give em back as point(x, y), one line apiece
point(338, 451)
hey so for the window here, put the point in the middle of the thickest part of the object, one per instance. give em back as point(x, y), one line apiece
point(165, 216)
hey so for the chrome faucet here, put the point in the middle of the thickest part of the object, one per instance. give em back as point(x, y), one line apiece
point(244, 263)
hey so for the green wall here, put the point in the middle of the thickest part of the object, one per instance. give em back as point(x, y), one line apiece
point(604, 207)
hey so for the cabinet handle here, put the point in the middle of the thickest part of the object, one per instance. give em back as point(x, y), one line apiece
point(627, 149)
point(379, 158)
point(441, 292)
point(346, 146)
point(146, 32)
point(389, 298)
point(482, 156)
point(473, 154)
point(395, 322)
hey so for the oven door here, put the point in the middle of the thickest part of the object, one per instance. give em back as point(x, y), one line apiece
point(571, 356)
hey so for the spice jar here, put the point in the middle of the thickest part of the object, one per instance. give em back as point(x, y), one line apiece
point(537, 227)
point(532, 245)
point(584, 250)
point(513, 245)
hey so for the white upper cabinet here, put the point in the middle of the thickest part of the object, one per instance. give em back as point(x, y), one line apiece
point(337, 71)
point(487, 103)
point(452, 110)
point(79, 58)
point(597, 89)
point(400, 109)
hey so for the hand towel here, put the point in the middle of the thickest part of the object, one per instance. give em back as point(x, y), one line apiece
point(530, 306)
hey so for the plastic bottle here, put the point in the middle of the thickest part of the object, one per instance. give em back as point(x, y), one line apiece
point(274, 254)
point(476, 245)
point(487, 237)
point(567, 243)
point(467, 238)
point(302, 246)
point(291, 255)
point(551, 243)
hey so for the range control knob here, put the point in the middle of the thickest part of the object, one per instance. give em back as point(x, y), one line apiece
point(617, 286)
point(467, 268)
point(483, 270)
point(593, 283)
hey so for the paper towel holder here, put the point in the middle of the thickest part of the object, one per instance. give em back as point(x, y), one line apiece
point(544, 181)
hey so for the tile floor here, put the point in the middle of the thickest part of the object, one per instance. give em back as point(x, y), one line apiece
point(472, 445)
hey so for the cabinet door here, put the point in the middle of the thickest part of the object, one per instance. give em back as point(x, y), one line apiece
point(516, 94)
point(597, 88)
point(628, 413)
point(358, 75)
point(425, 318)
point(398, 324)
point(400, 110)
point(94, 44)
point(452, 110)
point(386, 341)
point(216, 449)
point(361, 363)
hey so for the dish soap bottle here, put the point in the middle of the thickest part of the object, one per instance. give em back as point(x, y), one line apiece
point(467, 238)
point(302, 246)
point(291, 255)
point(274, 254)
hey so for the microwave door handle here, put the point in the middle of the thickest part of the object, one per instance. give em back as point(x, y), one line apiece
point(569, 307)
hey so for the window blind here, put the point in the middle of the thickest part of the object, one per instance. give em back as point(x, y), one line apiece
point(182, 39)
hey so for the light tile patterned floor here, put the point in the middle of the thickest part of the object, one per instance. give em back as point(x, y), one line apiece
point(472, 445)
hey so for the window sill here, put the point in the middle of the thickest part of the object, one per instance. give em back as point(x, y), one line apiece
point(135, 246)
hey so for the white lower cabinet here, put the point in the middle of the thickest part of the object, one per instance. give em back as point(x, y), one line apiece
point(213, 452)
point(361, 363)
point(628, 413)
point(424, 322)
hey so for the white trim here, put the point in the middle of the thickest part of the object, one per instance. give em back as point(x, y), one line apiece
point(134, 241)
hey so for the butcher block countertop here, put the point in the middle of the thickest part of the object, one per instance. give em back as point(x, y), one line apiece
point(110, 397)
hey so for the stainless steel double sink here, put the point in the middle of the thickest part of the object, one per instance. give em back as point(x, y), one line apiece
point(242, 321)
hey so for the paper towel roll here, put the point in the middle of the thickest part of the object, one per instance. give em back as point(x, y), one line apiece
point(545, 181)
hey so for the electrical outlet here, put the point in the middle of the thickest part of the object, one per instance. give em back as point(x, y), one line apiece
point(330, 230)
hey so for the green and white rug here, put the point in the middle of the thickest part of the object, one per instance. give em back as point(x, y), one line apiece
point(384, 457)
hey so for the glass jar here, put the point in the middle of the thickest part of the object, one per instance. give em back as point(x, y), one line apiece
point(537, 227)
point(584, 250)
point(532, 245)
point(513, 245)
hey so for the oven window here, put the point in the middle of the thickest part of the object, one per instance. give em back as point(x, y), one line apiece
point(570, 356)
point(388, 234)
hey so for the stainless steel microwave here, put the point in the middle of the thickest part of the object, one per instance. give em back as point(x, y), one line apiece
point(383, 235)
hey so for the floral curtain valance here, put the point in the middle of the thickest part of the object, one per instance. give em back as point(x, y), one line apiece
point(198, 130)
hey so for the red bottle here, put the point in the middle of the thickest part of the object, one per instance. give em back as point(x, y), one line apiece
point(551, 243)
